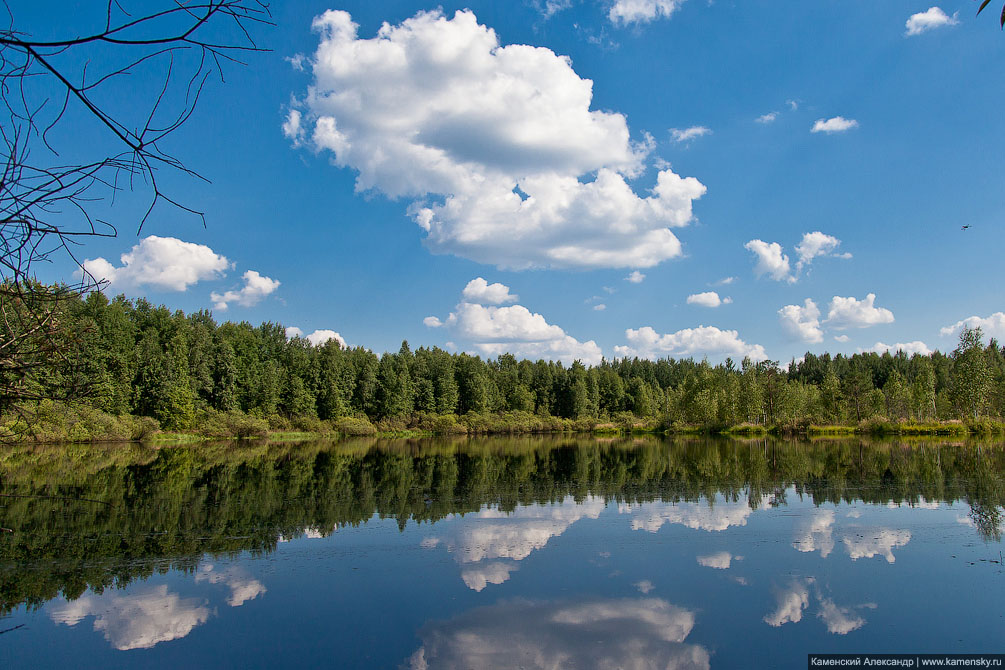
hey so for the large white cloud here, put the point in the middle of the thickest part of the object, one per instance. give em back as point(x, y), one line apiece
point(642, 11)
point(163, 263)
point(849, 312)
point(256, 287)
point(802, 323)
point(647, 343)
point(494, 330)
point(837, 124)
point(934, 17)
point(138, 620)
point(637, 633)
point(491, 143)
point(991, 326)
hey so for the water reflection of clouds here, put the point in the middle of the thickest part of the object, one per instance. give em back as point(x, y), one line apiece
point(644, 587)
point(720, 560)
point(790, 603)
point(710, 517)
point(478, 577)
point(878, 542)
point(137, 620)
point(793, 601)
point(921, 503)
point(149, 615)
point(614, 633)
point(501, 537)
point(816, 533)
point(839, 620)
point(242, 586)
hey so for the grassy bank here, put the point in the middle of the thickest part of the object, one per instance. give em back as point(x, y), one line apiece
point(62, 422)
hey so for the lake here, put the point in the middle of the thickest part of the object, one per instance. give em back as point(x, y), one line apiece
point(537, 552)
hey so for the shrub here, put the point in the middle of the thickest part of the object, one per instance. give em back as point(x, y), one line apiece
point(351, 425)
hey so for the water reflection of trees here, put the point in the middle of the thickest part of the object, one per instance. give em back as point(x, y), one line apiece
point(94, 517)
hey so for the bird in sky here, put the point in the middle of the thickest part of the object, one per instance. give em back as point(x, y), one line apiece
point(964, 227)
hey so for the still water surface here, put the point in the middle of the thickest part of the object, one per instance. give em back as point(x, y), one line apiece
point(484, 553)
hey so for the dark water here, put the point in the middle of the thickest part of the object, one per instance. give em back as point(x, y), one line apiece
point(483, 553)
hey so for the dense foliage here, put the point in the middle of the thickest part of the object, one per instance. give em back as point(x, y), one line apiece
point(187, 370)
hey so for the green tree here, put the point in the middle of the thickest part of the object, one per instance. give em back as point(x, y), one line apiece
point(971, 374)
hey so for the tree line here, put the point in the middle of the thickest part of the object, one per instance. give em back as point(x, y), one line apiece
point(139, 359)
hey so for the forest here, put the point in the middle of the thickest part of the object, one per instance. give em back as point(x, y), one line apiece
point(124, 369)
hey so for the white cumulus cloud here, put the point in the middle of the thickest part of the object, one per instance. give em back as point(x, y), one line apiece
point(849, 312)
point(686, 134)
point(934, 17)
point(490, 143)
point(770, 117)
point(642, 11)
point(708, 299)
point(256, 287)
point(837, 124)
point(480, 291)
point(514, 329)
point(770, 260)
point(841, 338)
point(802, 323)
point(164, 263)
point(991, 326)
point(645, 342)
point(816, 244)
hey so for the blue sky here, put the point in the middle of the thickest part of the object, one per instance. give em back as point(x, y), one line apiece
point(561, 149)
